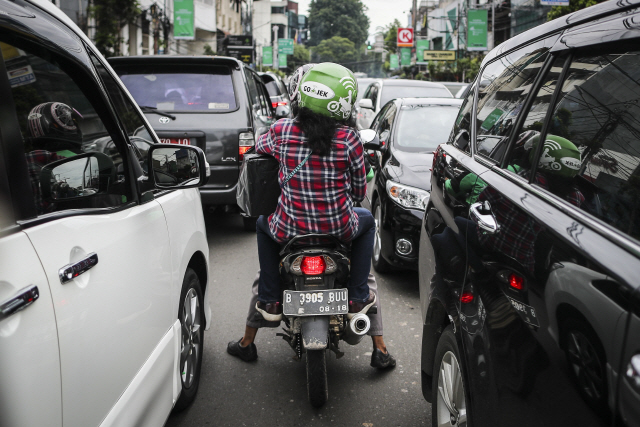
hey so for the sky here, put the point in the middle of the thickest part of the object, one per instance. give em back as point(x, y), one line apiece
point(381, 12)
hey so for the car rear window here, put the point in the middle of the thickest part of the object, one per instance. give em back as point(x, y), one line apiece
point(393, 92)
point(414, 120)
point(170, 88)
point(272, 88)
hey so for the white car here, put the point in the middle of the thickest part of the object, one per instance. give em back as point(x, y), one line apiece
point(103, 250)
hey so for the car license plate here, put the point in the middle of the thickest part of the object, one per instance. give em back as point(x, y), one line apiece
point(181, 141)
point(527, 312)
point(313, 303)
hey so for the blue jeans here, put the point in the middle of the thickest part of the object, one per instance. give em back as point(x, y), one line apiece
point(361, 251)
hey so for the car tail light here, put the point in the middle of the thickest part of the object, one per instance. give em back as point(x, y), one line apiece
point(275, 104)
point(245, 142)
point(516, 282)
point(435, 157)
point(313, 265)
point(466, 297)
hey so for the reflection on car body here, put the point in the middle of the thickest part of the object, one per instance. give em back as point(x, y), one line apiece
point(533, 216)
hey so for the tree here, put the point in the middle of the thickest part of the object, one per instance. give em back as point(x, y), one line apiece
point(300, 57)
point(574, 5)
point(342, 18)
point(391, 36)
point(111, 16)
point(336, 49)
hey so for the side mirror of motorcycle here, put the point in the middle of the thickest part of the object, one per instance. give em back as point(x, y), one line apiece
point(371, 140)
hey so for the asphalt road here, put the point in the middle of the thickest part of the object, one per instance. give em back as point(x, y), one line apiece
point(272, 390)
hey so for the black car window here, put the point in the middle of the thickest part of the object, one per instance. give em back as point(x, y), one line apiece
point(504, 86)
point(129, 114)
point(265, 100)
point(460, 135)
point(591, 154)
point(174, 87)
point(422, 128)
point(373, 95)
point(72, 160)
point(386, 123)
point(532, 124)
point(254, 95)
point(375, 124)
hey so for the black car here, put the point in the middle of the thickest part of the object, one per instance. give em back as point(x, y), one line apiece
point(277, 92)
point(530, 245)
point(215, 103)
point(410, 129)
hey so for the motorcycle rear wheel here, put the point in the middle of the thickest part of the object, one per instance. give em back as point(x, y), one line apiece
point(317, 386)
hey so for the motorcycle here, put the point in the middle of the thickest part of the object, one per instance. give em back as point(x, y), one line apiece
point(314, 271)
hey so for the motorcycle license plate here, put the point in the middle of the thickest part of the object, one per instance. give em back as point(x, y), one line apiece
point(313, 303)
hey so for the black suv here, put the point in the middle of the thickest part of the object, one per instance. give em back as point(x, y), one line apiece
point(530, 246)
point(215, 103)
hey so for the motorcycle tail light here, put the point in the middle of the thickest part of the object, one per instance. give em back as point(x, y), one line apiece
point(516, 282)
point(466, 297)
point(313, 265)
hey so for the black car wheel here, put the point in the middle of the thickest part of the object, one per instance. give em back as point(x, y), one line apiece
point(379, 263)
point(586, 359)
point(192, 323)
point(449, 407)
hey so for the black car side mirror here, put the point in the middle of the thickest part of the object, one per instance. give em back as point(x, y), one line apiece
point(371, 140)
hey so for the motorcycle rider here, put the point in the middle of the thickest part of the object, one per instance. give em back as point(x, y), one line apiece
point(323, 158)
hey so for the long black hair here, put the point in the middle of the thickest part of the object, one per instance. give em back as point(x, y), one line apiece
point(320, 129)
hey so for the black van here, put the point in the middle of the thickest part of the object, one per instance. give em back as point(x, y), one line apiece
point(216, 103)
point(530, 246)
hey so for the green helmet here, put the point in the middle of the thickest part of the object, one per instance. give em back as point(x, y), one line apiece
point(559, 156)
point(329, 89)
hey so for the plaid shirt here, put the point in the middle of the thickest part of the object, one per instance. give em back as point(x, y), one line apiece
point(319, 197)
point(518, 230)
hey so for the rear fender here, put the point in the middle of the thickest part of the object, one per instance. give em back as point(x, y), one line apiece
point(315, 332)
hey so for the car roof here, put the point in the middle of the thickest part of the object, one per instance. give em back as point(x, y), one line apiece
point(407, 82)
point(203, 59)
point(428, 101)
point(564, 22)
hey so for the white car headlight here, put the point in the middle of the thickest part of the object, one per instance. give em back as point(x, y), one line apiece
point(409, 197)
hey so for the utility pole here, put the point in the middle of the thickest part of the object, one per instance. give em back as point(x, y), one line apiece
point(276, 60)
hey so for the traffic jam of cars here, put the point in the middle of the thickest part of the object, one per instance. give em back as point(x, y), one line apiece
point(515, 197)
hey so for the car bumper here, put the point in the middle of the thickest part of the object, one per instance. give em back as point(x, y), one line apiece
point(218, 196)
point(401, 223)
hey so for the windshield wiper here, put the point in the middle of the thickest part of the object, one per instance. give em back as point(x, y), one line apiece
point(148, 109)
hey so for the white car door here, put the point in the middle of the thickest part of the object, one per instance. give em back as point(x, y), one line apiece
point(105, 254)
point(30, 364)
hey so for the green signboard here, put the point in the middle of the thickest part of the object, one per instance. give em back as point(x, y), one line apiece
point(393, 62)
point(285, 46)
point(282, 60)
point(452, 24)
point(183, 20)
point(477, 30)
point(421, 46)
point(405, 56)
point(267, 56)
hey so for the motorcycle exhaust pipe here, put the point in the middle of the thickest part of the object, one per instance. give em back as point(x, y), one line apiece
point(357, 328)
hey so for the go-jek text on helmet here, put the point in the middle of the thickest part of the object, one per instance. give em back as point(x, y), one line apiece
point(559, 156)
point(328, 89)
point(54, 119)
point(295, 79)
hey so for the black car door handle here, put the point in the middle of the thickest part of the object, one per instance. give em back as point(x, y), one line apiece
point(481, 214)
point(71, 271)
point(23, 299)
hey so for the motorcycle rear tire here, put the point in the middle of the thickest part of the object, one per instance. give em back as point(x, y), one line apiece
point(317, 386)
